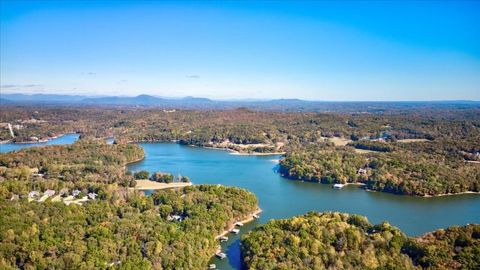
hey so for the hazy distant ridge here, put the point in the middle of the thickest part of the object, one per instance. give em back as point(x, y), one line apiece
point(205, 103)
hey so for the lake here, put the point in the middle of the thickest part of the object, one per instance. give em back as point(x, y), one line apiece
point(283, 198)
point(65, 139)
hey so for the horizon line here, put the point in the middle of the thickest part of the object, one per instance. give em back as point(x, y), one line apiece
point(234, 99)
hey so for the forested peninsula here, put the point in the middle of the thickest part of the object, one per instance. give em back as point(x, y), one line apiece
point(334, 240)
point(427, 151)
point(70, 207)
point(399, 172)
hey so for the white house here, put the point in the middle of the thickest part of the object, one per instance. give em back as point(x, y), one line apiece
point(76, 192)
point(362, 171)
point(33, 194)
point(49, 193)
point(92, 195)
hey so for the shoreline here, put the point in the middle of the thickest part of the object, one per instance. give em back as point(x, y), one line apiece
point(257, 154)
point(354, 184)
point(428, 196)
point(451, 194)
point(39, 141)
point(370, 190)
point(232, 151)
point(237, 153)
point(249, 218)
point(152, 185)
point(135, 161)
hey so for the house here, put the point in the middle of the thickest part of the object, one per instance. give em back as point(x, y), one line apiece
point(14, 197)
point(37, 174)
point(92, 195)
point(212, 266)
point(338, 186)
point(176, 217)
point(362, 171)
point(49, 193)
point(235, 231)
point(33, 139)
point(33, 194)
point(239, 224)
point(76, 192)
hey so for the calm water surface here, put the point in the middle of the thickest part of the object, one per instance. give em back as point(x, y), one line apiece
point(65, 139)
point(283, 198)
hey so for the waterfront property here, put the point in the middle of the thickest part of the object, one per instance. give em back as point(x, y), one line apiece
point(283, 198)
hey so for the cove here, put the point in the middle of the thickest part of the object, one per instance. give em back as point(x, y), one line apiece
point(283, 198)
point(68, 138)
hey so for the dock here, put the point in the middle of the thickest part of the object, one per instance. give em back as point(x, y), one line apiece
point(338, 186)
point(221, 255)
point(223, 239)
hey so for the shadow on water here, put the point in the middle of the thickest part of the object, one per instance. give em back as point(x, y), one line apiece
point(234, 255)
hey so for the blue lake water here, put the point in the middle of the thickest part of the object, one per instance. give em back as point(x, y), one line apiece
point(283, 198)
point(65, 139)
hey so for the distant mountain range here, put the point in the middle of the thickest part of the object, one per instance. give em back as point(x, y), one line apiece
point(205, 103)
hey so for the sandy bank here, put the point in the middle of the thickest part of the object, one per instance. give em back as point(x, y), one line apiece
point(450, 194)
point(152, 185)
point(412, 140)
point(235, 152)
point(256, 154)
point(354, 184)
point(364, 151)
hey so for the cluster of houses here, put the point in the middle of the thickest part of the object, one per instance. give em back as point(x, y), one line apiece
point(63, 196)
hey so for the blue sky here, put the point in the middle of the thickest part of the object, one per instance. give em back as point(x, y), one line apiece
point(428, 50)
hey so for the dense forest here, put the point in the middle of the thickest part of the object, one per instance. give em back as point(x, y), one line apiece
point(340, 241)
point(399, 172)
point(429, 151)
point(426, 152)
point(127, 231)
point(81, 165)
point(114, 226)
